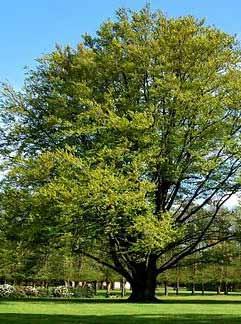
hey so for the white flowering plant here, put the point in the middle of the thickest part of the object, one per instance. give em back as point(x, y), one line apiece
point(61, 291)
point(7, 290)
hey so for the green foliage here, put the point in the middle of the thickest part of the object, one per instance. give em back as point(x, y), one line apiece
point(153, 234)
point(127, 146)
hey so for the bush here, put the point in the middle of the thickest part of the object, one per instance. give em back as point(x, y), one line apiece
point(7, 291)
point(30, 291)
point(84, 292)
point(43, 292)
point(61, 291)
point(19, 292)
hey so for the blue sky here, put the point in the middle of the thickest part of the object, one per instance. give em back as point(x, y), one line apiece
point(30, 28)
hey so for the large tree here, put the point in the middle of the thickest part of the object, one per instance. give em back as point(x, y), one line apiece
point(129, 143)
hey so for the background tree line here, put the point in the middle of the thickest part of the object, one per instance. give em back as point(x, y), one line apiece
point(217, 269)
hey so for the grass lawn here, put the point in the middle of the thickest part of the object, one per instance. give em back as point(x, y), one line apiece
point(183, 309)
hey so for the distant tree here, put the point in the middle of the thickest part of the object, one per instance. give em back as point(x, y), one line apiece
point(130, 143)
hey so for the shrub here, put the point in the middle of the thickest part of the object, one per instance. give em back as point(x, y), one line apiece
point(7, 290)
point(61, 291)
point(84, 292)
point(43, 292)
point(19, 292)
point(30, 291)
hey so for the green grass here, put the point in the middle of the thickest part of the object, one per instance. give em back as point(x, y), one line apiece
point(183, 309)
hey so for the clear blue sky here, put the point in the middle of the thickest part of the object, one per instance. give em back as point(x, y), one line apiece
point(30, 28)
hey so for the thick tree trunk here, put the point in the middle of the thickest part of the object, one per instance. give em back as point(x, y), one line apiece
point(144, 283)
point(144, 292)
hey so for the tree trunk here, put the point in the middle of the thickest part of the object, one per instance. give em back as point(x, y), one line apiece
point(193, 288)
point(194, 268)
point(95, 286)
point(123, 289)
point(225, 288)
point(165, 288)
point(144, 283)
point(177, 280)
point(177, 287)
point(144, 292)
point(108, 288)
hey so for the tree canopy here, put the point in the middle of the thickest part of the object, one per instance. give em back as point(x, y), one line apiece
point(128, 144)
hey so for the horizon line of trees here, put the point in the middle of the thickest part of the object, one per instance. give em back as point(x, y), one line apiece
point(217, 269)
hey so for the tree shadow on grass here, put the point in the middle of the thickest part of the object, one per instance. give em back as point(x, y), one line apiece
point(124, 301)
point(201, 301)
point(119, 319)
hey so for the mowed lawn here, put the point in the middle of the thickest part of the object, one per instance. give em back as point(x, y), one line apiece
point(198, 309)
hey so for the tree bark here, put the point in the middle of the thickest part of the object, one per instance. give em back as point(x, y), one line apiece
point(194, 278)
point(177, 287)
point(123, 289)
point(193, 288)
point(144, 292)
point(95, 286)
point(144, 283)
point(225, 288)
point(165, 288)
point(203, 288)
point(108, 288)
point(177, 280)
